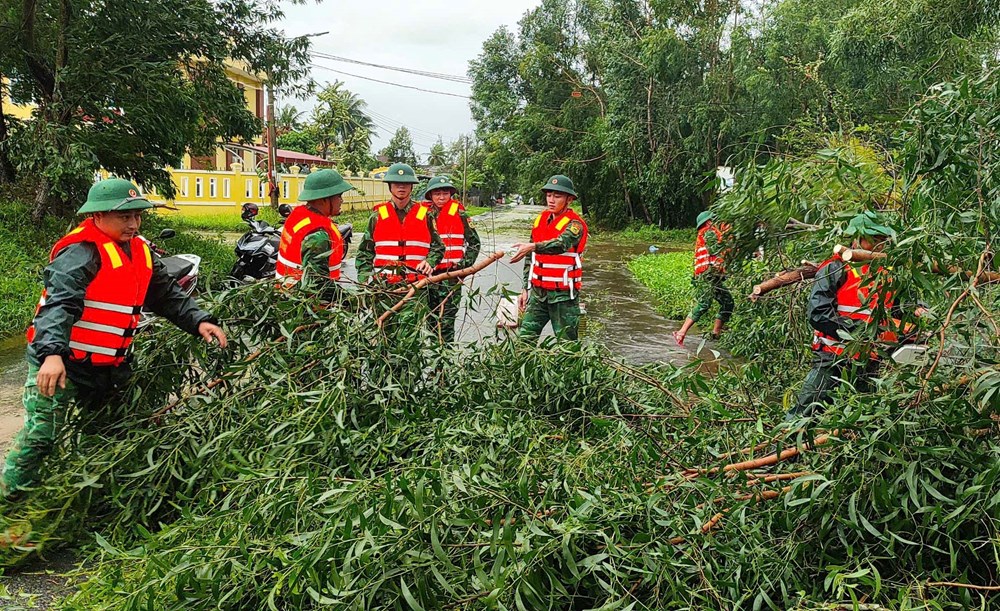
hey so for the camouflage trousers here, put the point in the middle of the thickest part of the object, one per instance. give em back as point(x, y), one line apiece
point(711, 287)
point(44, 421)
point(824, 378)
point(443, 300)
point(564, 315)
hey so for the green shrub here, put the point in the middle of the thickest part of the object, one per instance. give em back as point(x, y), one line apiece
point(668, 277)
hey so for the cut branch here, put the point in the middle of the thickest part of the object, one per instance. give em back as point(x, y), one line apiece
point(785, 278)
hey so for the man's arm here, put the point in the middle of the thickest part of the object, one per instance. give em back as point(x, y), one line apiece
point(66, 280)
point(822, 307)
point(316, 248)
point(473, 244)
point(166, 298)
point(364, 260)
point(437, 246)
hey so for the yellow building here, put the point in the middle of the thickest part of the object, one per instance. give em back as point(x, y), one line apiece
point(237, 172)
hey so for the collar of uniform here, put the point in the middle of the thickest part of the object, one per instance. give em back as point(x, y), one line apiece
point(405, 209)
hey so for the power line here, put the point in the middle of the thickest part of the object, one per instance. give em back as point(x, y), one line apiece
point(397, 123)
point(438, 75)
point(454, 95)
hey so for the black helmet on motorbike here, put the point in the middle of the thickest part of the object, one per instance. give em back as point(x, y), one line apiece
point(250, 210)
point(284, 210)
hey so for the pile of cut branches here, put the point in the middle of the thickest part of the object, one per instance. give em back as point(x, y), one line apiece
point(333, 462)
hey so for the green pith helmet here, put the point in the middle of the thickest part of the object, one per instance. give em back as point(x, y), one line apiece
point(559, 183)
point(400, 172)
point(870, 225)
point(114, 194)
point(323, 183)
point(439, 182)
point(704, 217)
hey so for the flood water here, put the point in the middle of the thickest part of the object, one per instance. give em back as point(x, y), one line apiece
point(619, 311)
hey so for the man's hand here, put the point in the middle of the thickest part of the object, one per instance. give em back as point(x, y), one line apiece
point(210, 332)
point(52, 373)
point(425, 268)
point(522, 301)
point(523, 250)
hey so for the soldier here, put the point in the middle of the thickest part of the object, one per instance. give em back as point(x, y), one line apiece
point(709, 278)
point(401, 243)
point(842, 300)
point(99, 277)
point(312, 249)
point(555, 272)
point(461, 247)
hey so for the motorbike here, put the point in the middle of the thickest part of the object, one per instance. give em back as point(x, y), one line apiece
point(183, 268)
point(257, 249)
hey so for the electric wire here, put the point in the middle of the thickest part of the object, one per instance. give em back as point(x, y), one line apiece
point(454, 95)
point(436, 75)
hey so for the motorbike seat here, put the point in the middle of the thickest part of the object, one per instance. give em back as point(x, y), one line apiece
point(176, 267)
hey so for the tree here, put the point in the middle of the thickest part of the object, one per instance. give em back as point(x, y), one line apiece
point(131, 85)
point(438, 155)
point(341, 127)
point(400, 147)
point(288, 119)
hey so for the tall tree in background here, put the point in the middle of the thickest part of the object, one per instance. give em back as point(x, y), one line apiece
point(288, 119)
point(639, 101)
point(400, 148)
point(131, 85)
point(340, 128)
point(438, 155)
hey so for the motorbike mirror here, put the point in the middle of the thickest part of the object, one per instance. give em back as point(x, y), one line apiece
point(284, 210)
point(166, 234)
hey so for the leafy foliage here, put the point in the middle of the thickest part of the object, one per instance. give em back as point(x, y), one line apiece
point(400, 148)
point(131, 86)
point(640, 101)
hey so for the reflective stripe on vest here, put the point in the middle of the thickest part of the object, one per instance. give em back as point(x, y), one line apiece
point(301, 223)
point(704, 260)
point(400, 246)
point(563, 271)
point(113, 300)
point(854, 301)
point(451, 230)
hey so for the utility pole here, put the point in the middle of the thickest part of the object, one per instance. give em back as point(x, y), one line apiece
point(272, 151)
point(465, 167)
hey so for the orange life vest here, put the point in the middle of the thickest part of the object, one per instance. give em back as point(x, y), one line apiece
point(855, 301)
point(300, 223)
point(451, 230)
point(400, 247)
point(704, 260)
point(557, 272)
point(113, 300)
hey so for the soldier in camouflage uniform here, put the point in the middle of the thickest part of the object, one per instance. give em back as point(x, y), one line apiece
point(312, 250)
point(461, 247)
point(553, 275)
point(709, 279)
point(99, 277)
point(842, 301)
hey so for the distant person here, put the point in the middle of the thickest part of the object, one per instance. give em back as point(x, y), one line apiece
point(99, 277)
point(311, 251)
point(554, 275)
point(709, 278)
point(461, 247)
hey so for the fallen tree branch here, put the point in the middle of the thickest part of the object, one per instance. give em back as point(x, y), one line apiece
point(450, 275)
point(756, 463)
point(954, 584)
point(792, 276)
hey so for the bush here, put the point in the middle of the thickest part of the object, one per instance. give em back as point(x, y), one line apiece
point(668, 277)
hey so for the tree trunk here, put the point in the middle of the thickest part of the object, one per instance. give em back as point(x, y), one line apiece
point(7, 171)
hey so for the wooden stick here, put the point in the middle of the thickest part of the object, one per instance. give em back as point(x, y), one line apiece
point(451, 275)
point(785, 278)
point(860, 255)
point(952, 584)
point(756, 463)
point(984, 278)
point(766, 495)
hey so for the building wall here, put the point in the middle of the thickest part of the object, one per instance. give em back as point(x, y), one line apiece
point(203, 192)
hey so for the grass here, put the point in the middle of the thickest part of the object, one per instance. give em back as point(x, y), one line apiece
point(24, 247)
point(668, 276)
point(672, 238)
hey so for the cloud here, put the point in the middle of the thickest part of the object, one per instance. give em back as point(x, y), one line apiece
point(431, 35)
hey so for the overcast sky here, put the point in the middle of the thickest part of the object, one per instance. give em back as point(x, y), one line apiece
point(431, 35)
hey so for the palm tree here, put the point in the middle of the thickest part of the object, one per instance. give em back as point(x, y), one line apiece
point(289, 119)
